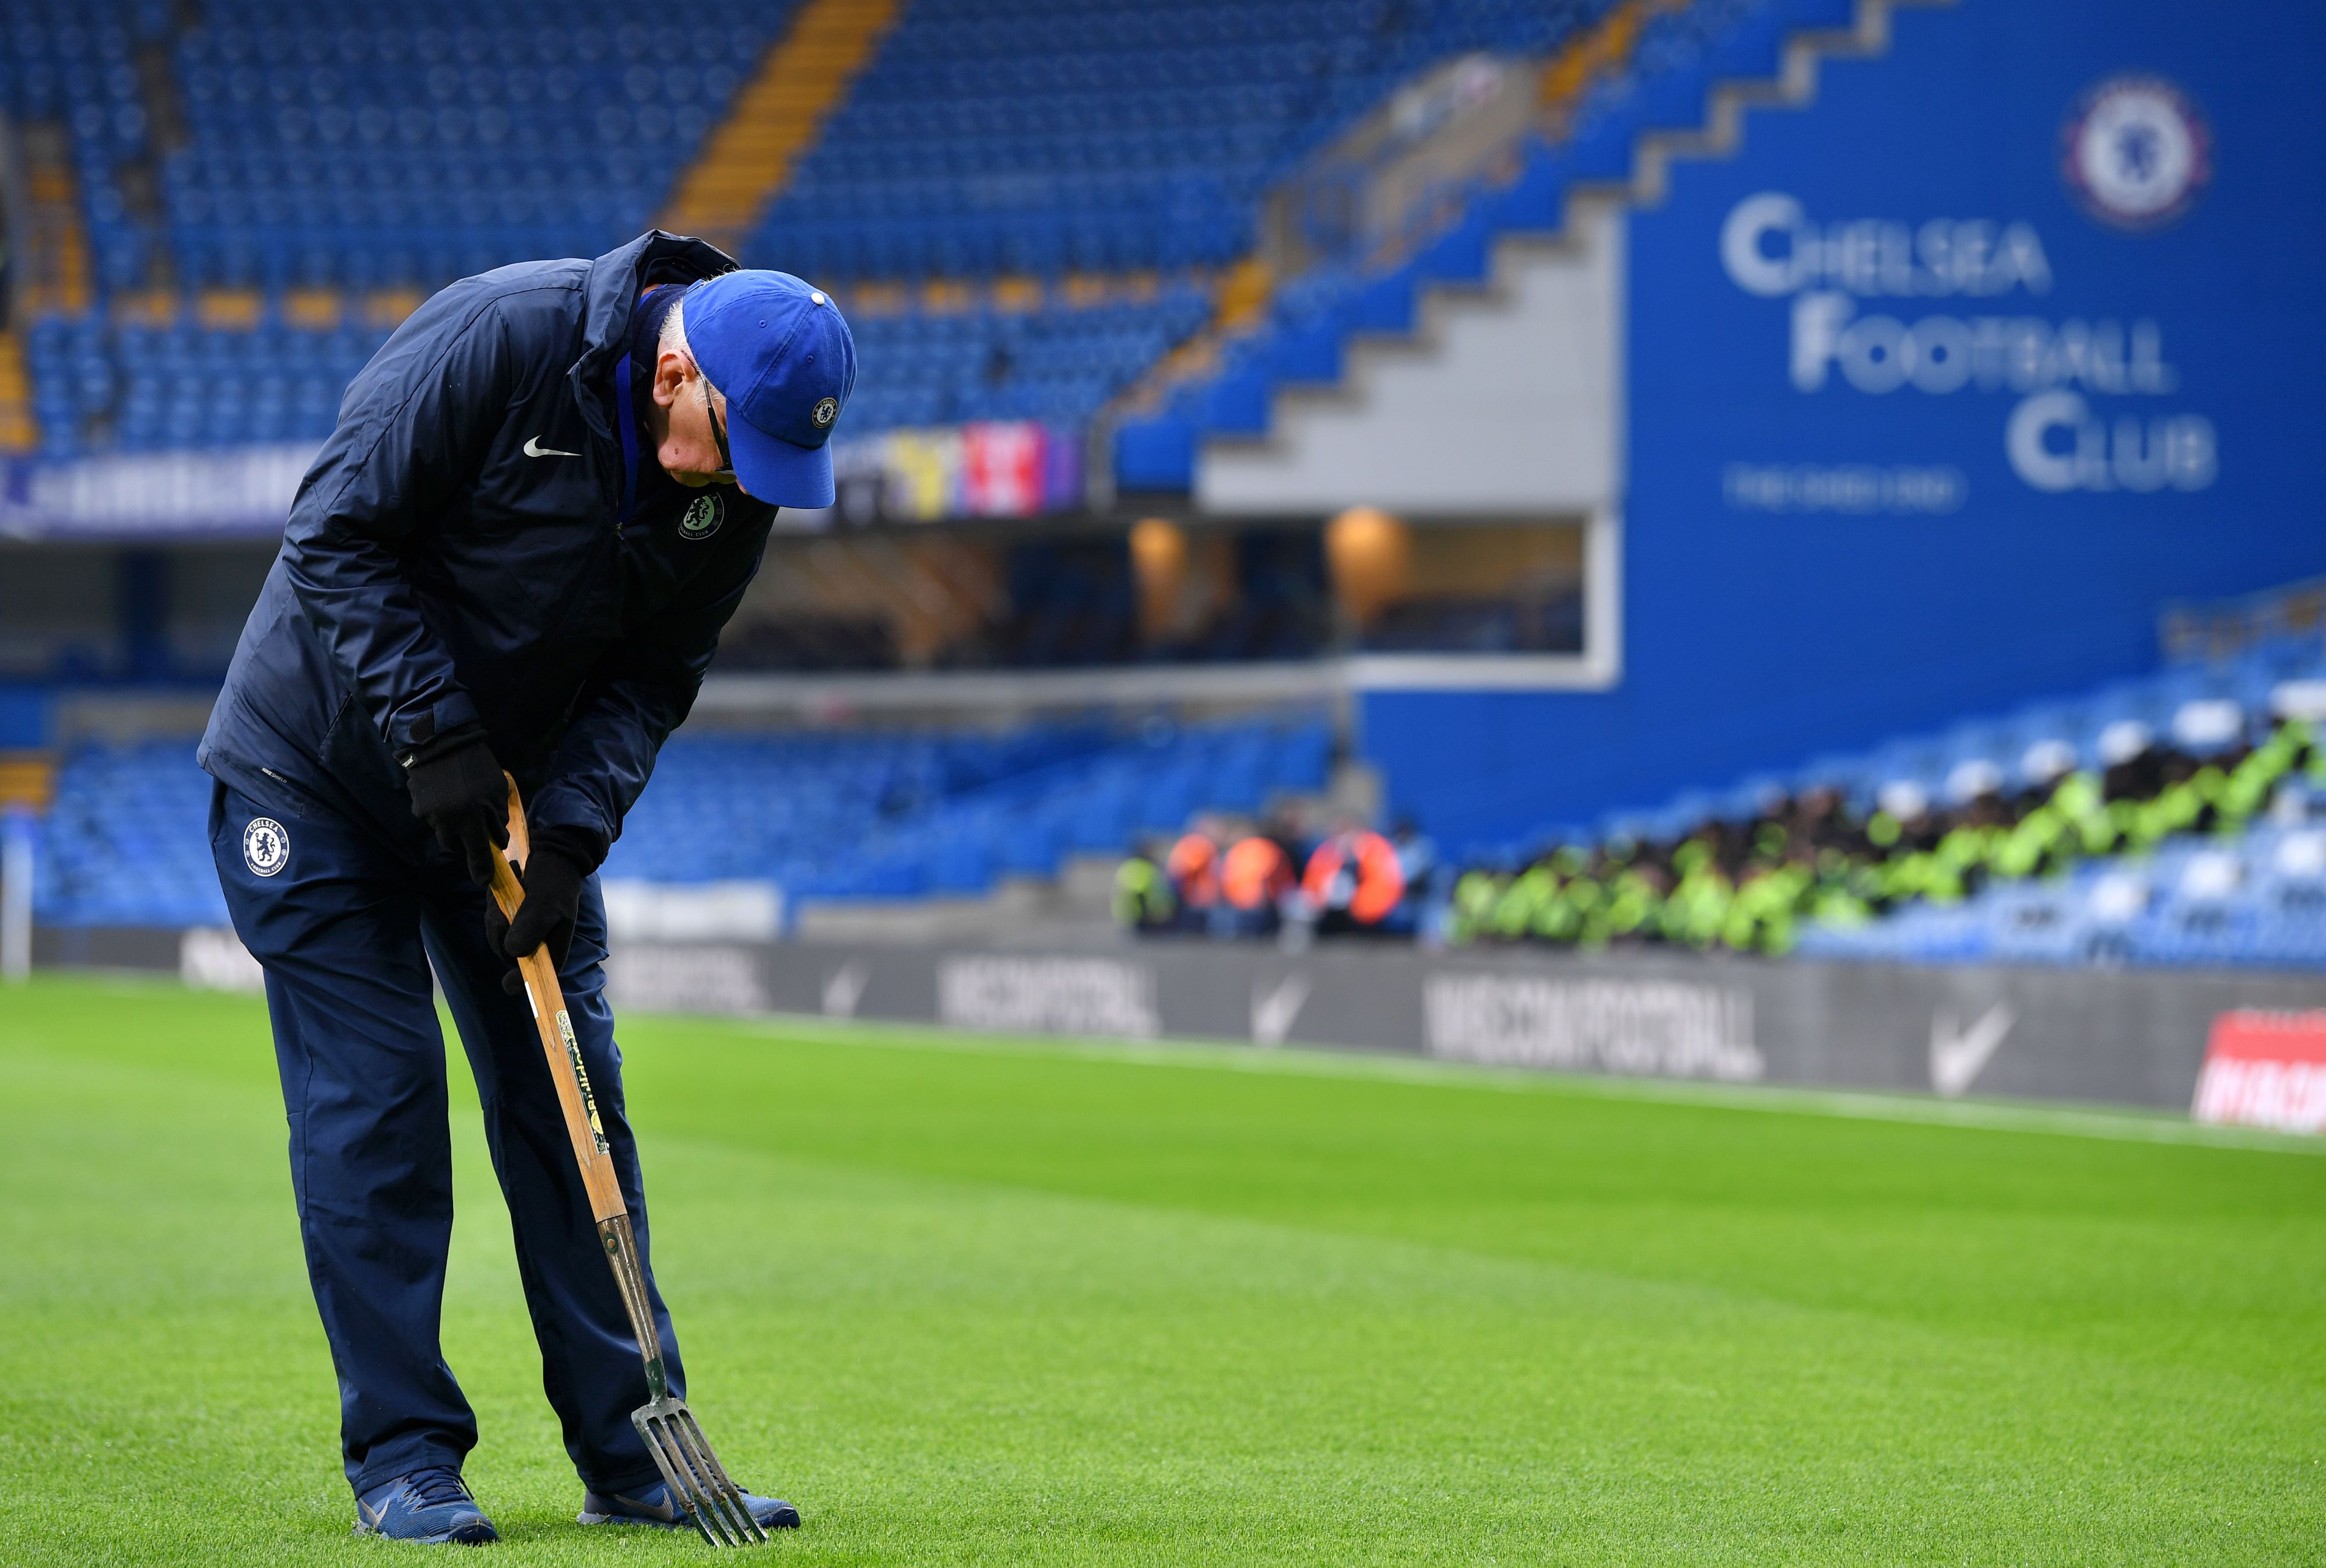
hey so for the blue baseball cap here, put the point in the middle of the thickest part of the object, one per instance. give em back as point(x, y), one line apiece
point(781, 355)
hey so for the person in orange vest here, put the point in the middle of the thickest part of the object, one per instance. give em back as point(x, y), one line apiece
point(1254, 876)
point(1193, 868)
point(1354, 881)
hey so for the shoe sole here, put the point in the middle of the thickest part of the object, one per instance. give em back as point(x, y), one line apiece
point(447, 1538)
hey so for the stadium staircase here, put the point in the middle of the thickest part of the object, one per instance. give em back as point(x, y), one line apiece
point(780, 111)
point(27, 779)
point(1648, 83)
point(20, 431)
point(56, 283)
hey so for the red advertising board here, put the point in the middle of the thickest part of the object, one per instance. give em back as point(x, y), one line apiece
point(2265, 1068)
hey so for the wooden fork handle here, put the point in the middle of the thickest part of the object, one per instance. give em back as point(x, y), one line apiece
point(557, 1042)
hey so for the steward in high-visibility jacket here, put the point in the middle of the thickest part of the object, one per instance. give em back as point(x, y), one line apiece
point(1355, 880)
point(1255, 874)
point(1142, 896)
point(1194, 870)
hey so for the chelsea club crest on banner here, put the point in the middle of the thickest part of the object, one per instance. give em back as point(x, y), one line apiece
point(2136, 152)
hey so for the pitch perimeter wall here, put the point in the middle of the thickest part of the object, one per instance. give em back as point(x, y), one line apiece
point(2090, 1035)
point(2099, 1037)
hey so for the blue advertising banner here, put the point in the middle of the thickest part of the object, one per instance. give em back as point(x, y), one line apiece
point(233, 492)
point(1940, 387)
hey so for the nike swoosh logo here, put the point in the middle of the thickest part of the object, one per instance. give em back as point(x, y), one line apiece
point(534, 449)
point(844, 990)
point(666, 1511)
point(1272, 1012)
point(1956, 1054)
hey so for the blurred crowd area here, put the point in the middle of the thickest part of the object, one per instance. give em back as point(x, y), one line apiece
point(1817, 862)
point(2179, 820)
point(1753, 883)
point(1277, 877)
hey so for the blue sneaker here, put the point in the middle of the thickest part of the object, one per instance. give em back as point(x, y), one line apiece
point(430, 1505)
point(653, 1507)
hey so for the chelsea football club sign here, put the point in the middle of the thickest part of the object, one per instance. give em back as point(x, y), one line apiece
point(2135, 154)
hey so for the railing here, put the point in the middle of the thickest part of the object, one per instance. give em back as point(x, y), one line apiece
point(1401, 173)
point(2224, 629)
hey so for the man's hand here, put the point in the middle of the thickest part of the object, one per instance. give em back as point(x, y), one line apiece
point(457, 789)
point(552, 878)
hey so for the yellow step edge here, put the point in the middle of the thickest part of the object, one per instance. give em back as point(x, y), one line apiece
point(802, 79)
point(27, 780)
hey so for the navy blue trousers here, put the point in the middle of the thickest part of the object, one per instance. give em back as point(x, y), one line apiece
point(348, 922)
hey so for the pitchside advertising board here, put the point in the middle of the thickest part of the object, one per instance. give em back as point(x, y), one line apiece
point(1940, 387)
point(2266, 1069)
point(2242, 1050)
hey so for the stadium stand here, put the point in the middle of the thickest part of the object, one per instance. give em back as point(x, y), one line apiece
point(1056, 362)
point(311, 150)
point(127, 840)
point(833, 815)
point(910, 814)
point(320, 148)
point(2167, 821)
point(159, 386)
point(1678, 55)
point(776, 116)
point(85, 67)
point(1042, 136)
point(306, 150)
point(457, 137)
point(1033, 206)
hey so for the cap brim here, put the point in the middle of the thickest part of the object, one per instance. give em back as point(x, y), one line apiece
point(771, 468)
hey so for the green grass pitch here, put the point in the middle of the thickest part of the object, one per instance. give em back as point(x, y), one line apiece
point(1005, 1302)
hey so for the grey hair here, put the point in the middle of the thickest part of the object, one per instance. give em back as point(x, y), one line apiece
point(674, 330)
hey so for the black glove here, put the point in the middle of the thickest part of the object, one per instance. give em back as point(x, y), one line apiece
point(552, 878)
point(457, 789)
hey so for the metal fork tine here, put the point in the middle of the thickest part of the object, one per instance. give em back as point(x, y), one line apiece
point(720, 1494)
point(712, 1521)
point(723, 1488)
point(656, 1445)
point(716, 1495)
point(678, 1473)
point(736, 1504)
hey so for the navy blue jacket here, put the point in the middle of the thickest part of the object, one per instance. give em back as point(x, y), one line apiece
point(459, 552)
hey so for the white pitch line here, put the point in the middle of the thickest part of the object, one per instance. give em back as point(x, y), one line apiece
point(1295, 1061)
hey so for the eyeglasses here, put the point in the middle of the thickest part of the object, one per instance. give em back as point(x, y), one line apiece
point(718, 431)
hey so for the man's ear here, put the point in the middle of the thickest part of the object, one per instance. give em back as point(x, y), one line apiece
point(671, 369)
